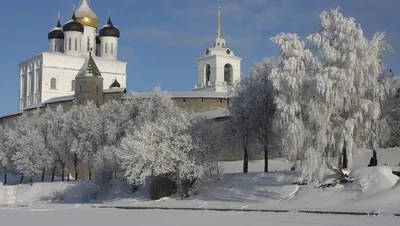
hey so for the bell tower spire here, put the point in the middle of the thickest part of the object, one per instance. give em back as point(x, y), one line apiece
point(219, 34)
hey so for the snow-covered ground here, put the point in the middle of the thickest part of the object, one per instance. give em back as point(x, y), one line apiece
point(84, 216)
point(375, 189)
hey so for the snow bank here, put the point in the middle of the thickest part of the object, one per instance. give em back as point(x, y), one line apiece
point(371, 180)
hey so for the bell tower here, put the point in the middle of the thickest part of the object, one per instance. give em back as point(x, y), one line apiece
point(218, 68)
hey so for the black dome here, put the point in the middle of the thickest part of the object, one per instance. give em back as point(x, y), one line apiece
point(98, 41)
point(73, 25)
point(56, 32)
point(115, 84)
point(109, 30)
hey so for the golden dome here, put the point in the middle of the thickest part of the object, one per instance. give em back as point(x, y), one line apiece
point(86, 16)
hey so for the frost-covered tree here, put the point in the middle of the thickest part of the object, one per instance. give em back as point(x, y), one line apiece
point(329, 93)
point(253, 109)
point(29, 146)
point(161, 144)
point(208, 137)
point(60, 138)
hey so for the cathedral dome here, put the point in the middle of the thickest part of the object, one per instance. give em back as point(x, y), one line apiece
point(86, 16)
point(56, 32)
point(115, 84)
point(73, 25)
point(109, 30)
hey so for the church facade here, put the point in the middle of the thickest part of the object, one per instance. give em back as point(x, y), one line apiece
point(82, 65)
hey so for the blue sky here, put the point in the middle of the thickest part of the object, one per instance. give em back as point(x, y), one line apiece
point(161, 39)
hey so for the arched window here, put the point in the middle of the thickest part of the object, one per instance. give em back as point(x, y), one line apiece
point(218, 43)
point(69, 44)
point(76, 44)
point(112, 48)
point(88, 43)
point(53, 83)
point(106, 48)
point(73, 85)
point(208, 73)
point(228, 74)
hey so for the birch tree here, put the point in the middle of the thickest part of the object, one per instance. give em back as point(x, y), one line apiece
point(329, 93)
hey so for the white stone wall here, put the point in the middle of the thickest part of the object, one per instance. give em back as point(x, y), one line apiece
point(89, 34)
point(217, 59)
point(56, 45)
point(37, 72)
point(109, 48)
point(73, 43)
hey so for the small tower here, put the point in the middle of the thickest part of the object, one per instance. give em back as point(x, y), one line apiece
point(218, 68)
point(109, 36)
point(73, 31)
point(56, 38)
point(89, 83)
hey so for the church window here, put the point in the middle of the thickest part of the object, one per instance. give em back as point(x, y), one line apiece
point(218, 43)
point(88, 43)
point(223, 44)
point(112, 48)
point(73, 85)
point(69, 44)
point(106, 47)
point(208, 73)
point(228, 74)
point(53, 82)
point(76, 44)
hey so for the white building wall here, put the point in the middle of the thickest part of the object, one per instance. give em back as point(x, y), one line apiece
point(73, 43)
point(217, 61)
point(109, 48)
point(56, 45)
point(37, 72)
point(89, 34)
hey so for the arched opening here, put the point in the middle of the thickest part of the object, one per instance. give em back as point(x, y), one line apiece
point(53, 83)
point(73, 85)
point(76, 44)
point(112, 48)
point(228, 74)
point(208, 74)
point(69, 44)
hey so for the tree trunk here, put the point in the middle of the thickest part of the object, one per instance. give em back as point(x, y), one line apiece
point(76, 174)
point(76, 168)
point(5, 176)
point(31, 180)
point(265, 159)
point(245, 161)
point(21, 180)
point(90, 174)
point(43, 172)
point(63, 173)
point(53, 174)
point(344, 153)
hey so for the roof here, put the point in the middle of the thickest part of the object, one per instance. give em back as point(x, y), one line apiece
point(189, 94)
point(89, 68)
point(114, 90)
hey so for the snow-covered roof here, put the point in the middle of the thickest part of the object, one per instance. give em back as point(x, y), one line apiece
point(213, 114)
point(189, 94)
point(114, 90)
point(59, 99)
point(12, 114)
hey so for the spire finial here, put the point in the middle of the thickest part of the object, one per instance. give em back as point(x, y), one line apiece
point(84, 2)
point(58, 21)
point(58, 15)
point(219, 35)
point(74, 7)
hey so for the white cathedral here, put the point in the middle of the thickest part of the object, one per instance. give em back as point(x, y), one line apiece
point(52, 74)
